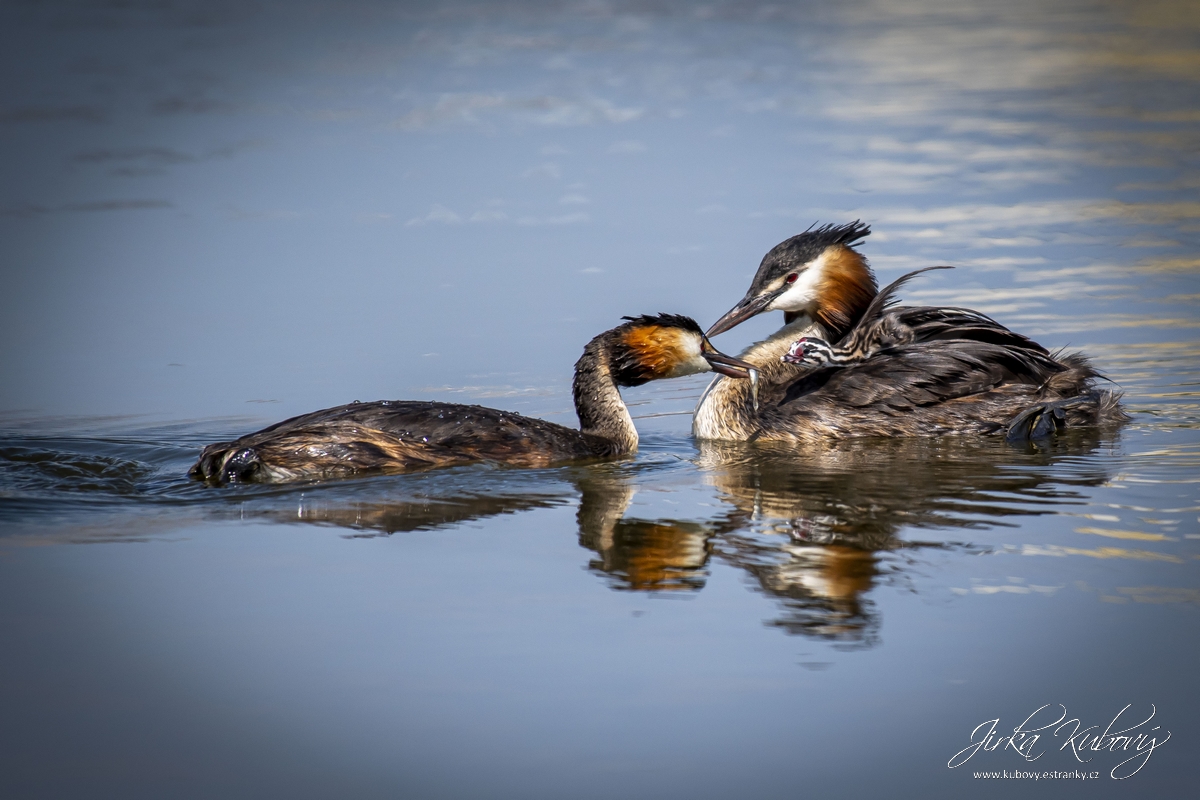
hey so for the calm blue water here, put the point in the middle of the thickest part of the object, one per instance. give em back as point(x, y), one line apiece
point(214, 216)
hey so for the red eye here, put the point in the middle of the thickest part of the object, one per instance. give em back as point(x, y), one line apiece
point(791, 278)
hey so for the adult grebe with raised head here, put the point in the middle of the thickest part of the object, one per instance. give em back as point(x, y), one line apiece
point(849, 364)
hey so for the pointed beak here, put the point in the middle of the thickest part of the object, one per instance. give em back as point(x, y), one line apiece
point(744, 310)
point(726, 365)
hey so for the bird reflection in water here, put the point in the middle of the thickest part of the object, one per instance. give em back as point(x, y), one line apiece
point(370, 519)
point(382, 505)
point(821, 584)
point(817, 530)
point(821, 581)
point(638, 554)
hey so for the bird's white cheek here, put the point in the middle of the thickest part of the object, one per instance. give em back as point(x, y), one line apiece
point(691, 365)
point(800, 296)
point(687, 358)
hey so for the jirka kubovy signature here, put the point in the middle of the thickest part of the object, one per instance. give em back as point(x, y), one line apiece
point(1083, 741)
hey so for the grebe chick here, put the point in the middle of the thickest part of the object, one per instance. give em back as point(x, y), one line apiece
point(898, 371)
point(883, 325)
point(403, 435)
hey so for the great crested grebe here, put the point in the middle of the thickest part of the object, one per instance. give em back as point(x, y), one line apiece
point(402, 435)
point(892, 371)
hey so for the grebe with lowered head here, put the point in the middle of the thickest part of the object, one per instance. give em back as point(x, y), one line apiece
point(403, 435)
point(893, 371)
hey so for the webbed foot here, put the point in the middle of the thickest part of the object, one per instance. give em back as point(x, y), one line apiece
point(1038, 422)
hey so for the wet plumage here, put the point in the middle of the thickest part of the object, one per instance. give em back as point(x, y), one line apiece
point(883, 325)
point(403, 435)
point(898, 371)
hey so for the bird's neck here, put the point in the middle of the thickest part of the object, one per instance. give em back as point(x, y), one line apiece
point(726, 409)
point(602, 412)
point(845, 287)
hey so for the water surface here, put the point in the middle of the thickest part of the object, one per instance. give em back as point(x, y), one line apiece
point(216, 216)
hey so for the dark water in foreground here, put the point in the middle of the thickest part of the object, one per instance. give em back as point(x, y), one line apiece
point(213, 217)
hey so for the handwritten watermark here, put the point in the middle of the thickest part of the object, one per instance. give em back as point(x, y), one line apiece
point(1031, 739)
